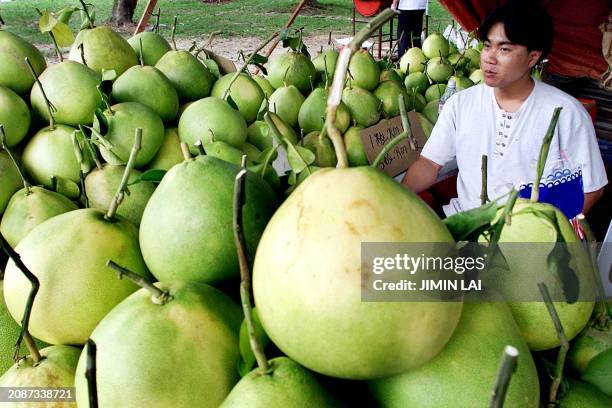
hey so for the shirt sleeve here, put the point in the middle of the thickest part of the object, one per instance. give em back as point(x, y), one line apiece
point(440, 147)
point(580, 146)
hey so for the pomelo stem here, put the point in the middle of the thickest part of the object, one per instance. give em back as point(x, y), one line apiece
point(81, 48)
point(25, 321)
point(335, 95)
point(173, 33)
point(86, 11)
point(159, 296)
point(406, 122)
point(25, 182)
point(185, 151)
point(50, 107)
point(554, 387)
point(506, 369)
point(505, 218)
point(52, 36)
point(406, 134)
point(550, 133)
point(79, 156)
point(246, 63)
point(141, 55)
point(484, 197)
point(32, 349)
point(245, 276)
point(198, 145)
point(110, 215)
point(90, 148)
point(90, 373)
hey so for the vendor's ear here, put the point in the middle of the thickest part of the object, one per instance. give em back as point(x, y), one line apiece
point(534, 57)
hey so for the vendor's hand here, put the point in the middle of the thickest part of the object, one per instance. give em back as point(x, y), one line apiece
point(394, 5)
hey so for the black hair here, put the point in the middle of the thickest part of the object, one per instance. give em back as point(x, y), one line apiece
point(525, 23)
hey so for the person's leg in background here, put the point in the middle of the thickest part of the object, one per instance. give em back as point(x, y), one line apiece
point(410, 23)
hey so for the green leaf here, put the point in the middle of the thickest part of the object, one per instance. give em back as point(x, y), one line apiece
point(68, 188)
point(154, 175)
point(262, 68)
point(65, 14)
point(109, 75)
point(102, 122)
point(463, 225)
point(231, 101)
point(259, 59)
point(63, 35)
point(299, 157)
point(263, 109)
point(292, 180)
point(46, 22)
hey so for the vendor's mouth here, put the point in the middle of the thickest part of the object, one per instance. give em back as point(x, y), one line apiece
point(489, 74)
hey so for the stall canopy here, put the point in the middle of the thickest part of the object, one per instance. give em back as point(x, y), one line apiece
point(577, 45)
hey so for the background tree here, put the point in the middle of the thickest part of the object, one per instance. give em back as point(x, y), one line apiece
point(123, 11)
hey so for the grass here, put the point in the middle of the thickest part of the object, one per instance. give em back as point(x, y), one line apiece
point(236, 18)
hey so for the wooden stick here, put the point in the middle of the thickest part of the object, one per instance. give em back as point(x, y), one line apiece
point(296, 12)
point(146, 15)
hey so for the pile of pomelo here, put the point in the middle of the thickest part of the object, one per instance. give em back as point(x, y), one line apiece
point(67, 135)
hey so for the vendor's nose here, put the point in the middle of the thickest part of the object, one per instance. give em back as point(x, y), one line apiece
point(488, 57)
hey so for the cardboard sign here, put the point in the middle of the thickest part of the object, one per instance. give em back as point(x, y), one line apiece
point(376, 137)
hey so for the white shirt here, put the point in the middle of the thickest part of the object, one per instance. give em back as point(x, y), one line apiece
point(472, 124)
point(412, 5)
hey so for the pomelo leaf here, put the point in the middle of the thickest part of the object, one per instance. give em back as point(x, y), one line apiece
point(153, 175)
point(67, 188)
point(299, 157)
point(63, 35)
point(65, 14)
point(468, 225)
point(248, 358)
point(46, 22)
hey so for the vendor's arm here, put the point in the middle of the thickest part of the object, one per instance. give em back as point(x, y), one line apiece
point(421, 175)
point(590, 199)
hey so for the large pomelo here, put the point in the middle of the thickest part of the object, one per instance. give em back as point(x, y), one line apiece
point(413, 60)
point(307, 277)
point(264, 84)
point(439, 70)
point(169, 152)
point(245, 92)
point(103, 49)
point(388, 93)
point(364, 70)
point(292, 68)
point(14, 116)
point(286, 102)
point(312, 112)
point(195, 199)
point(435, 45)
point(417, 82)
point(71, 88)
point(10, 180)
point(181, 353)
point(325, 64)
point(14, 72)
point(154, 46)
point(212, 119)
point(189, 76)
point(364, 107)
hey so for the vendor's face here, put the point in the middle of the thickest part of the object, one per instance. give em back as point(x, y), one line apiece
point(504, 63)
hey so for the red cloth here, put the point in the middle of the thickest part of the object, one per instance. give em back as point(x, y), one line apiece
point(576, 50)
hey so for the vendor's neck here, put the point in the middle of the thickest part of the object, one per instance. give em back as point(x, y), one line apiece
point(510, 98)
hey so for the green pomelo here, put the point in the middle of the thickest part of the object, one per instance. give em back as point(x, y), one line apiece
point(286, 102)
point(313, 111)
point(179, 354)
point(189, 76)
point(388, 93)
point(258, 134)
point(474, 56)
point(285, 130)
point(104, 49)
point(435, 91)
point(14, 116)
point(55, 370)
point(463, 374)
point(154, 46)
point(439, 70)
point(204, 250)
point(584, 395)
point(435, 45)
point(592, 341)
point(287, 385)
point(150, 87)
point(462, 82)
point(14, 72)
point(169, 152)
point(245, 92)
point(416, 102)
point(68, 254)
point(477, 76)
point(426, 125)
point(416, 82)
point(599, 372)
point(10, 180)
point(265, 86)
point(362, 105)
point(430, 111)
point(102, 184)
point(291, 69)
point(354, 147)
point(29, 208)
point(8, 336)
point(122, 125)
point(71, 88)
point(212, 119)
point(224, 151)
point(413, 60)
point(251, 152)
point(325, 155)
point(532, 317)
point(390, 75)
point(364, 70)
point(325, 64)
point(308, 294)
point(51, 153)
